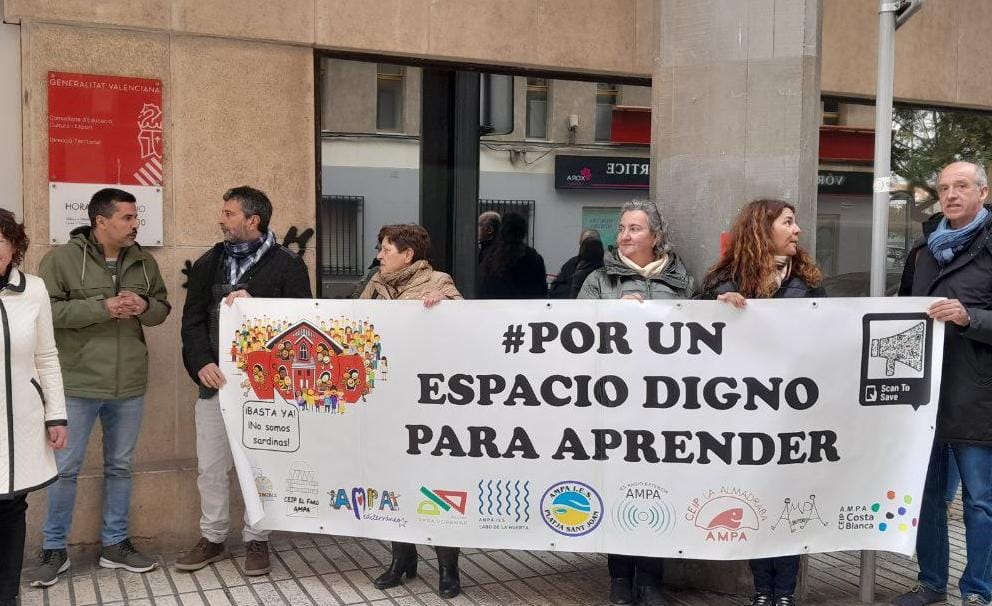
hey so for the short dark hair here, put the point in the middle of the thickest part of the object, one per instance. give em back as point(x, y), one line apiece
point(408, 236)
point(13, 232)
point(104, 203)
point(253, 202)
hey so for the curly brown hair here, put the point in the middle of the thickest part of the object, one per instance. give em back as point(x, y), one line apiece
point(408, 236)
point(13, 232)
point(749, 260)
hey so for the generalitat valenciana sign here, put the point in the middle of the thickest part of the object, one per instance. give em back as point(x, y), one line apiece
point(104, 131)
point(678, 429)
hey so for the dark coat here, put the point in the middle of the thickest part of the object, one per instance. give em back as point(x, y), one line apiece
point(279, 273)
point(561, 286)
point(524, 279)
point(582, 271)
point(793, 288)
point(965, 413)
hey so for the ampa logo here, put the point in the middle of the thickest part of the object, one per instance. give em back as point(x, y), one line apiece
point(584, 176)
point(728, 515)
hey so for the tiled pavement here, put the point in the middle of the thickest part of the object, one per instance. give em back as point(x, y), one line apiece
point(320, 569)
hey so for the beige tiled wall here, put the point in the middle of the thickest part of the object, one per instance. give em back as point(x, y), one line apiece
point(236, 112)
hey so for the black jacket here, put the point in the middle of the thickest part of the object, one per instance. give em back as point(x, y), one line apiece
point(561, 286)
point(793, 288)
point(525, 279)
point(279, 273)
point(965, 413)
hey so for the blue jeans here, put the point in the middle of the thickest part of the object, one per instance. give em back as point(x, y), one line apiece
point(121, 423)
point(975, 467)
point(953, 477)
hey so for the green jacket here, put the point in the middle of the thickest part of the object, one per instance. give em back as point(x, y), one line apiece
point(615, 279)
point(101, 357)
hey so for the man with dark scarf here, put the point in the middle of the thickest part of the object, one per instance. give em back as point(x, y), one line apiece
point(248, 263)
point(954, 260)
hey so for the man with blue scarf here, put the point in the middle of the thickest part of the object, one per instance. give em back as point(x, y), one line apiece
point(954, 260)
point(248, 263)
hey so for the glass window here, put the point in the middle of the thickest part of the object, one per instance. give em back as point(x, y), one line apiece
point(537, 108)
point(389, 97)
point(831, 112)
point(607, 96)
point(342, 242)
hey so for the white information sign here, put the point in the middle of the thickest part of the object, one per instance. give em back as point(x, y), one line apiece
point(67, 204)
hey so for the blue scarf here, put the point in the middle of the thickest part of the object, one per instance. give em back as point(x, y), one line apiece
point(240, 256)
point(945, 243)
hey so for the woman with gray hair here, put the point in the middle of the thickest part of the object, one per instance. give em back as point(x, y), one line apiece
point(643, 266)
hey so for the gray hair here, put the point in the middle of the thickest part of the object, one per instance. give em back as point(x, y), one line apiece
point(981, 177)
point(656, 223)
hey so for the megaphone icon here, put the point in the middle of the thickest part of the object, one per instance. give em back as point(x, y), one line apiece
point(905, 347)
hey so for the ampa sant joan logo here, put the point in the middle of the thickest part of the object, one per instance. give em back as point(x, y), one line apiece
point(571, 508)
point(727, 515)
point(323, 366)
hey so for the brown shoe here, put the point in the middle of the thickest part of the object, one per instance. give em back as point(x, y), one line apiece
point(257, 558)
point(202, 554)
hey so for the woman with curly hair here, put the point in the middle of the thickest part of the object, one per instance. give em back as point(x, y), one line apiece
point(764, 261)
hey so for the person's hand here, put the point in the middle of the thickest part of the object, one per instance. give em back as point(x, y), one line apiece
point(134, 303)
point(432, 298)
point(950, 310)
point(58, 436)
point(118, 307)
point(634, 296)
point(733, 298)
point(237, 294)
point(211, 376)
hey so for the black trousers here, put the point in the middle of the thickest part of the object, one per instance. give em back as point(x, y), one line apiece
point(649, 571)
point(12, 529)
point(775, 576)
point(446, 556)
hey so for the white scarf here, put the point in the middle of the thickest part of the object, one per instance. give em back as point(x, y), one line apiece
point(651, 269)
point(783, 265)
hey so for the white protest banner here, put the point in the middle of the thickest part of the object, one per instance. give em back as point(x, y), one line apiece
point(678, 429)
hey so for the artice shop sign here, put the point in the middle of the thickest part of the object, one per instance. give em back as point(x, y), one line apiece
point(104, 131)
point(601, 172)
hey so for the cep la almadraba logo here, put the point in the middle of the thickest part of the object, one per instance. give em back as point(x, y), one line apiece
point(727, 515)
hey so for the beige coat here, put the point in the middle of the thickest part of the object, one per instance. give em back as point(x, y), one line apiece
point(412, 282)
point(33, 398)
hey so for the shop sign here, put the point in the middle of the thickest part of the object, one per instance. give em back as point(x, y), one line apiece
point(602, 172)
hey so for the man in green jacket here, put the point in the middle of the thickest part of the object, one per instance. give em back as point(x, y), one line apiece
point(103, 288)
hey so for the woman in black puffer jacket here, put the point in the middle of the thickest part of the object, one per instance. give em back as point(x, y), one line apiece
point(764, 261)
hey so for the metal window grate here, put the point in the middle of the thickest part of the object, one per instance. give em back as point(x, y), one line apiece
point(342, 236)
point(524, 208)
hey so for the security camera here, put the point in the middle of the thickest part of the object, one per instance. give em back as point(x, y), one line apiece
point(573, 121)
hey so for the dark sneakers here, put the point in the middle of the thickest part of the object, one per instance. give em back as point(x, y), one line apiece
point(53, 563)
point(973, 599)
point(257, 558)
point(785, 600)
point(762, 599)
point(124, 555)
point(919, 596)
point(203, 553)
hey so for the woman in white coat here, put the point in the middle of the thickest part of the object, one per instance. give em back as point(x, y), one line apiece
point(32, 404)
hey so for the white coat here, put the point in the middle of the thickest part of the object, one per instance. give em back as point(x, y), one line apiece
point(31, 396)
